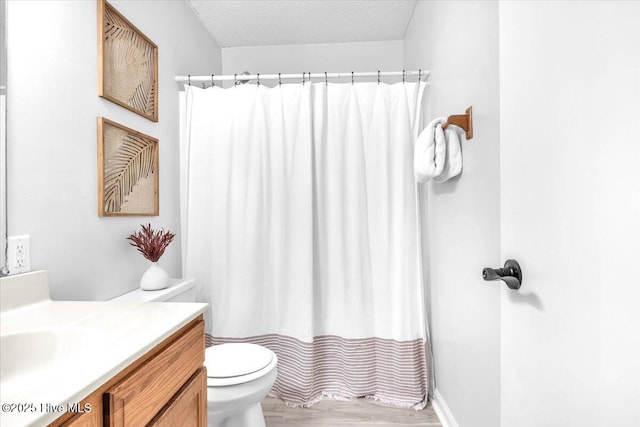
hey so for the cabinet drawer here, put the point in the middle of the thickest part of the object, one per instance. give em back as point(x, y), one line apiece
point(136, 399)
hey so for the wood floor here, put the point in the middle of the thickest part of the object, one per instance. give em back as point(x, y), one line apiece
point(331, 413)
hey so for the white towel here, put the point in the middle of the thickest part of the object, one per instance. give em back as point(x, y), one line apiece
point(453, 158)
point(437, 153)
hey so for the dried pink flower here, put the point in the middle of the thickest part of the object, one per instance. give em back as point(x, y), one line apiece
point(151, 244)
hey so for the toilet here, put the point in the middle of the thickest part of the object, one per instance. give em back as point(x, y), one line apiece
point(239, 375)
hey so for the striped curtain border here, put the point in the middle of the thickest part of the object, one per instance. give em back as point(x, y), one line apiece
point(390, 371)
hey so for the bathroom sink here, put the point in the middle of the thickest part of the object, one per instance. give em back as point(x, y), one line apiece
point(25, 352)
point(35, 348)
point(27, 356)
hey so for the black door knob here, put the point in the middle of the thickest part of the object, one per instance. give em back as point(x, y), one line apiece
point(511, 274)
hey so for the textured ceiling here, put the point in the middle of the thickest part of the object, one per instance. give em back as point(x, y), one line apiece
point(258, 22)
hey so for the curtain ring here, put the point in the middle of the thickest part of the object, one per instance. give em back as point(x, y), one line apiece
point(258, 79)
point(326, 80)
point(189, 79)
point(352, 78)
point(378, 76)
point(419, 75)
point(303, 78)
point(402, 76)
point(212, 83)
point(235, 80)
point(279, 80)
point(309, 77)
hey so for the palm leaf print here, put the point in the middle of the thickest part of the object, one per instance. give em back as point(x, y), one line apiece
point(129, 65)
point(133, 160)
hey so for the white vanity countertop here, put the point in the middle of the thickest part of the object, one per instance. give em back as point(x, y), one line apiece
point(86, 344)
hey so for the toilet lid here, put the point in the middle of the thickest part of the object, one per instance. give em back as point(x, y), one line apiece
point(236, 359)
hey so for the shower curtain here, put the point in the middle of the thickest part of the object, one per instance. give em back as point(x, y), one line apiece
point(299, 223)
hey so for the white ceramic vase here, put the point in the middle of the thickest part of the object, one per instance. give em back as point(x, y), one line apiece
point(154, 278)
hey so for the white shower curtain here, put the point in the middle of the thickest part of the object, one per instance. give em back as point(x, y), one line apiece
point(300, 225)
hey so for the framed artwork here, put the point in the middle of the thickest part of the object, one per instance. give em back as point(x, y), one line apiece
point(127, 171)
point(127, 64)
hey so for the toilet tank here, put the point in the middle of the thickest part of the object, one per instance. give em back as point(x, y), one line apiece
point(179, 290)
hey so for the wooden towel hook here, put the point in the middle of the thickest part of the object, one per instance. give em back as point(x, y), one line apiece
point(465, 121)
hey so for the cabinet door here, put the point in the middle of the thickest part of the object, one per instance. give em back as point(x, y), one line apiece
point(92, 417)
point(135, 400)
point(188, 408)
point(83, 420)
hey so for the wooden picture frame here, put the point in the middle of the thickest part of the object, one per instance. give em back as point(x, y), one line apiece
point(128, 171)
point(127, 64)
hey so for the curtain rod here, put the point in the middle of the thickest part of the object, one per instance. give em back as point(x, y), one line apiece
point(303, 76)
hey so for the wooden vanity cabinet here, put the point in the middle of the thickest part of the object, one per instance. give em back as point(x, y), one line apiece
point(165, 387)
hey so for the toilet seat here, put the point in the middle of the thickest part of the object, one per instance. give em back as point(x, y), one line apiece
point(237, 363)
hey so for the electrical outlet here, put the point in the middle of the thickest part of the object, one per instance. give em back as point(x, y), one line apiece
point(18, 254)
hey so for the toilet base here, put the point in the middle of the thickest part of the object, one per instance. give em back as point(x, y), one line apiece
point(251, 417)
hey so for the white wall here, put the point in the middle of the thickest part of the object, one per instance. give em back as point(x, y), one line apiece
point(331, 57)
point(53, 105)
point(458, 42)
point(569, 114)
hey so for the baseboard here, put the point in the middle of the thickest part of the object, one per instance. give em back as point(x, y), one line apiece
point(442, 410)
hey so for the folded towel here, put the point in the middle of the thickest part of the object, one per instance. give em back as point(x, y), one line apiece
point(437, 153)
point(430, 151)
point(453, 159)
